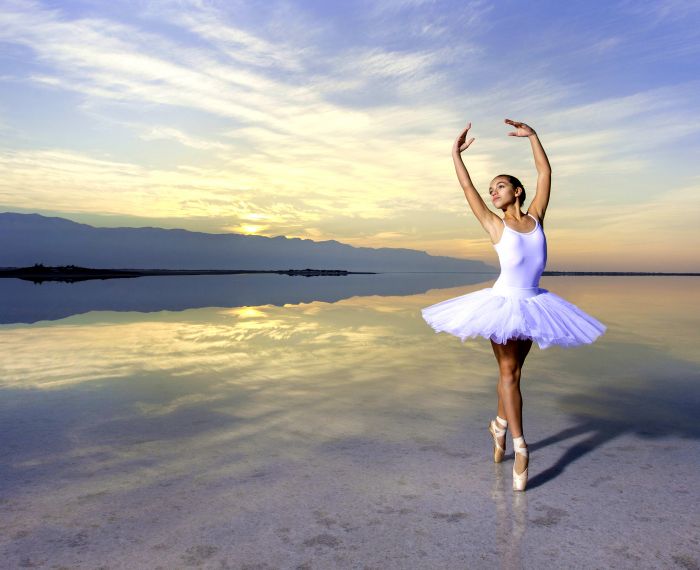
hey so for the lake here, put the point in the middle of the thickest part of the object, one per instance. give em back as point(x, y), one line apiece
point(268, 421)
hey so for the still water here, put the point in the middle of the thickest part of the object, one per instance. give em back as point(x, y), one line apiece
point(181, 418)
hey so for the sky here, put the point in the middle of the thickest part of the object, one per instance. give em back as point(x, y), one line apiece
point(335, 120)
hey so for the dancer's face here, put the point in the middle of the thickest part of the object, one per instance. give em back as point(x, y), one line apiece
point(502, 192)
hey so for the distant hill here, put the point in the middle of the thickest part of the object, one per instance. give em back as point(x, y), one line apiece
point(26, 239)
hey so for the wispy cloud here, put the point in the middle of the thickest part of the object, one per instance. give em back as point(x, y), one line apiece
point(331, 124)
point(169, 133)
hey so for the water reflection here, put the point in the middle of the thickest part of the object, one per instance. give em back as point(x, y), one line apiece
point(511, 517)
point(250, 402)
point(26, 302)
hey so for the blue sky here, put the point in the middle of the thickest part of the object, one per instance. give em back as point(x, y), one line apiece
point(335, 120)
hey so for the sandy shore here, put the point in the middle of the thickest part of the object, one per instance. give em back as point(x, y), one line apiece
point(596, 499)
point(346, 434)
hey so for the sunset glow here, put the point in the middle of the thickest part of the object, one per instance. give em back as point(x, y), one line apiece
point(325, 121)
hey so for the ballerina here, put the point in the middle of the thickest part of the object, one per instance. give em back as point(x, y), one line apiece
point(515, 310)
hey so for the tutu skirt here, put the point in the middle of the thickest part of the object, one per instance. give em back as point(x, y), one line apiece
point(501, 313)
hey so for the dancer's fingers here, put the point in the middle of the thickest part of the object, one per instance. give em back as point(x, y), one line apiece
point(466, 145)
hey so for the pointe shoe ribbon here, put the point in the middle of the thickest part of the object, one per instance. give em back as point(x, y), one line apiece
point(520, 479)
point(496, 432)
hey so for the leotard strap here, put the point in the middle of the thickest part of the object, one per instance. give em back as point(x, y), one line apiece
point(537, 223)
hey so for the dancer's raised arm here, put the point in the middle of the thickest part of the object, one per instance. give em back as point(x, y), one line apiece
point(544, 170)
point(486, 217)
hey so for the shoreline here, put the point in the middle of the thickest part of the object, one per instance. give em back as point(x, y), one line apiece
point(70, 273)
point(40, 272)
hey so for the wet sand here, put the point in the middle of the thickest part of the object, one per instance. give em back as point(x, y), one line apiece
point(346, 434)
point(595, 499)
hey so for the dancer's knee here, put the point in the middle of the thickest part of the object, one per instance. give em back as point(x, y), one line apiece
point(509, 377)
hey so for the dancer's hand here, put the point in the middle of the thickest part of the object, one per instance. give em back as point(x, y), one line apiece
point(521, 129)
point(460, 144)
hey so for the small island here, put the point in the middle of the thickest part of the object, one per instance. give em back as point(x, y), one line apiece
point(39, 273)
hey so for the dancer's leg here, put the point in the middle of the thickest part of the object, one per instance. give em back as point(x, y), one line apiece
point(523, 350)
point(525, 346)
point(510, 357)
point(501, 407)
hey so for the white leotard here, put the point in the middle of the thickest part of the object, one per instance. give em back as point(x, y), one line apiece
point(523, 257)
point(515, 306)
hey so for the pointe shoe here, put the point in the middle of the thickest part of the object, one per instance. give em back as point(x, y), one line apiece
point(497, 431)
point(520, 479)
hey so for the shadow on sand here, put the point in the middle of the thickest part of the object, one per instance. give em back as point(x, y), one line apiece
point(663, 407)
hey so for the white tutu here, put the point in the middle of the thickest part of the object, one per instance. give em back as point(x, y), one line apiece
point(500, 313)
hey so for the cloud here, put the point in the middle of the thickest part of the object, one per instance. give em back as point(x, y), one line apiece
point(655, 12)
point(240, 45)
point(335, 125)
point(169, 133)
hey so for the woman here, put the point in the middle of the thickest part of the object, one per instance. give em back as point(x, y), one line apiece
point(515, 310)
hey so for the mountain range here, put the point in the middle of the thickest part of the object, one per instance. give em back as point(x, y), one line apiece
point(26, 239)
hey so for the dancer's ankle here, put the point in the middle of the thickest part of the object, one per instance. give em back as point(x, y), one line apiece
point(502, 422)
